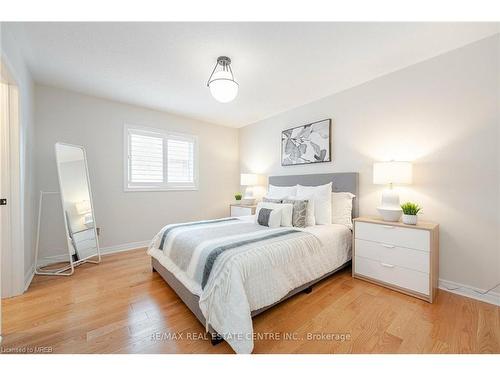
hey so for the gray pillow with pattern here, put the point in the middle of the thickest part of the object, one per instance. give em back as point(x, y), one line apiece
point(299, 212)
point(264, 216)
point(271, 200)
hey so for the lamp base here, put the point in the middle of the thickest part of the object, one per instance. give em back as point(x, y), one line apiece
point(390, 199)
point(390, 214)
point(390, 209)
point(248, 199)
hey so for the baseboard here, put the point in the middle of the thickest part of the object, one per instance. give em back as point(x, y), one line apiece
point(124, 247)
point(45, 261)
point(469, 291)
point(28, 277)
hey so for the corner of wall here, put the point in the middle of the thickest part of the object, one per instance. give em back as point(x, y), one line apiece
point(19, 70)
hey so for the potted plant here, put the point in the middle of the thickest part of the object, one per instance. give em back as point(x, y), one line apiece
point(410, 211)
point(238, 196)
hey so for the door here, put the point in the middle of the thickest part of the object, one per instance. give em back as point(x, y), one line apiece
point(11, 188)
point(4, 113)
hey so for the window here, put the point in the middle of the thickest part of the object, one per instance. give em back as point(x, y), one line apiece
point(159, 160)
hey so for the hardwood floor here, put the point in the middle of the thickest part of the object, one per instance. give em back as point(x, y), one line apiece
point(120, 306)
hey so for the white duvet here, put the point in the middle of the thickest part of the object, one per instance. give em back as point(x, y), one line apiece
point(259, 279)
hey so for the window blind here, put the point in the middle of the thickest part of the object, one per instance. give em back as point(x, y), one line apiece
point(146, 159)
point(180, 161)
point(160, 160)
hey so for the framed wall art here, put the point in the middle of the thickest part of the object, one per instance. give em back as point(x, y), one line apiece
point(306, 144)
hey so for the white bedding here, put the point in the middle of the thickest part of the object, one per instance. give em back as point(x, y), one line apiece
point(248, 287)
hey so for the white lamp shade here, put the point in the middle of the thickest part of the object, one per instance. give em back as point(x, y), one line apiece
point(83, 207)
point(392, 172)
point(222, 87)
point(248, 179)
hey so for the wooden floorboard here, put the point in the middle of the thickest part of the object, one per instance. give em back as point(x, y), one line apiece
point(120, 306)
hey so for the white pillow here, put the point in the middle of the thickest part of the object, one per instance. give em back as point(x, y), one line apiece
point(280, 192)
point(285, 210)
point(310, 219)
point(322, 196)
point(342, 208)
point(274, 219)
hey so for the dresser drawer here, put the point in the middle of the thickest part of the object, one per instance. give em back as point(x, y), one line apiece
point(393, 235)
point(394, 255)
point(392, 274)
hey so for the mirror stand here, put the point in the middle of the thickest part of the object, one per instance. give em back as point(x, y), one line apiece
point(78, 214)
point(66, 270)
point(41, 270)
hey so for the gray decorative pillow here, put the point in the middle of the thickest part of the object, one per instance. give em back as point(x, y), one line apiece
point(264, 215)
point(299, 213)
point(272, 200)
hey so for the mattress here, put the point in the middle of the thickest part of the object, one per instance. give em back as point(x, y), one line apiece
point(336, 240)
point(261, 278)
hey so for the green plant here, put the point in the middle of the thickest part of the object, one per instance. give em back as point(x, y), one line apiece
point(410, 208)
point(238, 196)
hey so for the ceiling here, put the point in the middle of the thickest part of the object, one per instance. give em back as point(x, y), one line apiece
point(279, 66)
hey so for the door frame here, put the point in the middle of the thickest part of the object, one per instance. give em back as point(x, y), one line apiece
point(12, 252)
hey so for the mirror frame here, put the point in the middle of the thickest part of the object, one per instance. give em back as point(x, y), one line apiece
point(88, 259)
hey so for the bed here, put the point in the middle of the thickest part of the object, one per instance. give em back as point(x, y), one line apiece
point(265, 267)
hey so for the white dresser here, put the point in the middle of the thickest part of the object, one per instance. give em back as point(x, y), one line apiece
point(398, 256)
point(241, 210)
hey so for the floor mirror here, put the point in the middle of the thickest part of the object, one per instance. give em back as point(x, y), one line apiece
point(77, 210)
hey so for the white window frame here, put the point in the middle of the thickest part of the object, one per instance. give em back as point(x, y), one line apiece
point(165, 185)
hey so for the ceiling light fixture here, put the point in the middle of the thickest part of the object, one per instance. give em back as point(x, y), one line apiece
point(221, 83)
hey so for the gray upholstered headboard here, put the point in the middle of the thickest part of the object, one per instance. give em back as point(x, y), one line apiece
point(340, 182)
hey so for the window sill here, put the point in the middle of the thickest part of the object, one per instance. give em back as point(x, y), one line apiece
point(151, 189)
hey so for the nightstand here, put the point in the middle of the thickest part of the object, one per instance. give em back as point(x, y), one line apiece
point(237, 209)
point(401, 257)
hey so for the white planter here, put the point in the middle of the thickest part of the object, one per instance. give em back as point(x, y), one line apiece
point(410, 219)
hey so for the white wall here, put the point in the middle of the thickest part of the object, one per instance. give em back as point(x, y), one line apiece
point(97, 124)
point(15, 63)
point(443, 114)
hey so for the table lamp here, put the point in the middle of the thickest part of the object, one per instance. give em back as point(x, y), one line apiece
point(249, 180)
point(391, 173)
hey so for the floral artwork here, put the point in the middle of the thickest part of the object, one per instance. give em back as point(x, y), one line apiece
point(306, 144)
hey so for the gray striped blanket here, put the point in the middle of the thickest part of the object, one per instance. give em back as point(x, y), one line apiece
point(195, 247)
point(236, 266)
